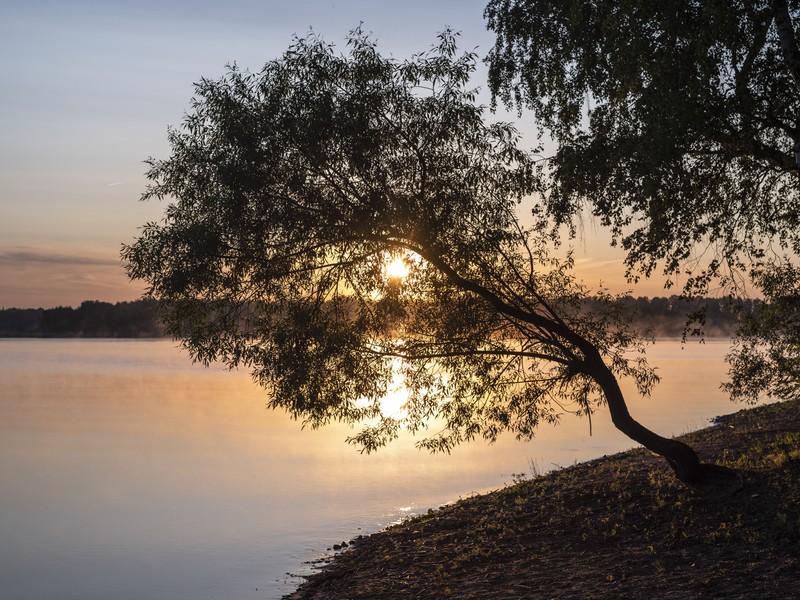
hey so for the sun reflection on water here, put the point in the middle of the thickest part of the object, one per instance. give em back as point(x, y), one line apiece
point(393, 404)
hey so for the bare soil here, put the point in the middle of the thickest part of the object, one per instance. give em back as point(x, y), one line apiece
point(618, 527)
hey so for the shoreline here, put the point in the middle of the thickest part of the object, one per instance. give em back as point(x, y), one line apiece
point(618, 526)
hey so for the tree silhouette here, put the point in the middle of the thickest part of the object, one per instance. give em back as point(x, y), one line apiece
point(678, 123)
point(292, 190)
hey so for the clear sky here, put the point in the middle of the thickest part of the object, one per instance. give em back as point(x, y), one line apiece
point(89, 87)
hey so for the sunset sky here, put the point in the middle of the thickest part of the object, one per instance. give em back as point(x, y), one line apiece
point(89, 88)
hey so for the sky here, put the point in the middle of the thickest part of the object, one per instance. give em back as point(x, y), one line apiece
point(88, 89)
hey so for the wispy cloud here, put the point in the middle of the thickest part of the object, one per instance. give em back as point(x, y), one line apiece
point(87, 281)
point(596, 262)
point(47, 256)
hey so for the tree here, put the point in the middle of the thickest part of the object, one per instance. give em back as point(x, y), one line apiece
point(294, 188)
point(767, 353)
point(678, 123)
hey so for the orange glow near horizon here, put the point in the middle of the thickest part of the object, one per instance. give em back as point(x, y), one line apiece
point(34, 276)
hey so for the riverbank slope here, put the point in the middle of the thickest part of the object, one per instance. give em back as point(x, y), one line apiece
point(617, 527)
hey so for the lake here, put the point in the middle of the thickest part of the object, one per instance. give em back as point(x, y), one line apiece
point(127, 472)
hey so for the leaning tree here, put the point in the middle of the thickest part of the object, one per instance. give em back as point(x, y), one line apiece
point(678, 123)
point(291, 191)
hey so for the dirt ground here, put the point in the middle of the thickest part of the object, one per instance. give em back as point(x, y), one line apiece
point(617, 527)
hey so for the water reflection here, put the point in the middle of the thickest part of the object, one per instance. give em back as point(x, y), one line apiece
point(127, 472)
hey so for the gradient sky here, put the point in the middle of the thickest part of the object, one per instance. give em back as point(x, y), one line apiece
point(89, 88)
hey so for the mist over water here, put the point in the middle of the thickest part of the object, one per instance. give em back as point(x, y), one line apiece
point(127, 472)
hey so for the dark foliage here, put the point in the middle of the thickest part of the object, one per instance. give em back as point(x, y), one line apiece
point(290, 192)
point(677, 124)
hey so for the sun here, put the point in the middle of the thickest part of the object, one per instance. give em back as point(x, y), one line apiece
point(397, 269)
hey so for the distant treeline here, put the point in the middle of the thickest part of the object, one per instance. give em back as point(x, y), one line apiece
point(92, 319)
point(670, 317)
point(666, 317)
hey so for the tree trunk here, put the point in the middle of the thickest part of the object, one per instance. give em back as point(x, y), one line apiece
point(681, 458)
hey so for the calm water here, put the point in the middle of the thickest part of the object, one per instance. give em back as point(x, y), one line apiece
point(126, 472)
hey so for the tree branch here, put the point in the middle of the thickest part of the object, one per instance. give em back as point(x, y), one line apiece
point(791, 55)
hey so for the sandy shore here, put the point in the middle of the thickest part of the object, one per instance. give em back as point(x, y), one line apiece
point(616, 527)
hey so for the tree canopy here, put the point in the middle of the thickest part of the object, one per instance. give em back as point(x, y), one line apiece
point(767, 355)
point(677, 123)
point(292, 189)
